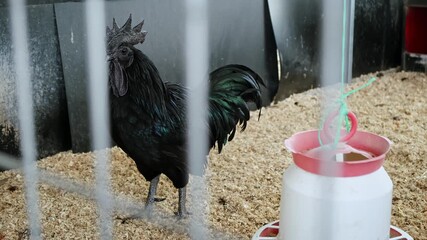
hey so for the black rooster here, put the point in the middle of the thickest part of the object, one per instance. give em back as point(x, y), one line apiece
point(148, 115)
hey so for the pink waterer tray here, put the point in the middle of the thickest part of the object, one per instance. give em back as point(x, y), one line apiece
point(271, 231)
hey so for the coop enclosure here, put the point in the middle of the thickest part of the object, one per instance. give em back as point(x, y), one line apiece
point(281, 42)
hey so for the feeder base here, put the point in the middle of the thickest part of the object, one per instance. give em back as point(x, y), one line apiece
point(271, 231)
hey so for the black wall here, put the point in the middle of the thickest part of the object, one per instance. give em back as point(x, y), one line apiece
point(50, 109)
point(297, 27)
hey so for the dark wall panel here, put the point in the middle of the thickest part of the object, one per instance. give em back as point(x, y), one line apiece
point(297, 27)
point(51, 119)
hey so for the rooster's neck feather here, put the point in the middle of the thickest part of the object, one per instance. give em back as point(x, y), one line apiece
point(145, 80)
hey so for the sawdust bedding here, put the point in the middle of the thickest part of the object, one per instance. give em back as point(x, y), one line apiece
point(244, 181)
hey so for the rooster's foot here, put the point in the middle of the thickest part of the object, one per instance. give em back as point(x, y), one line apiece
point(182, 214)
point(156, 199)
point(125, 220)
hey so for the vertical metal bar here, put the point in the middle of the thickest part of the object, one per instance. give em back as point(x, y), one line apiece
point(196, 49)
point(18, 15)
point(331, 42)
point(331, 73)
point(337, 49)
point(336, 59)
point(350, 39)
point(99, 114)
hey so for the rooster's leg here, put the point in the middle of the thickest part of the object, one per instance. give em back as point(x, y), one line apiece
point(182, 210)
point(151, 198)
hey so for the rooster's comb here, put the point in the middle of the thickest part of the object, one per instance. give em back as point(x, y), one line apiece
point(125, 34)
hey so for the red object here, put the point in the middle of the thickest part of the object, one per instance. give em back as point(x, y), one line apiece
point(416, 30)
point(271, 231)
point(329, 137)
point(299, 143)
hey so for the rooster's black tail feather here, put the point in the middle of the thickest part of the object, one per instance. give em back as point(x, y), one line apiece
point(231, 88)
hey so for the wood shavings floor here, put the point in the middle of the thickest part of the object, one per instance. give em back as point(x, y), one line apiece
point(244, 182)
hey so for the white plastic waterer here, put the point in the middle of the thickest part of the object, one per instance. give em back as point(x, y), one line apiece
point(336, 193)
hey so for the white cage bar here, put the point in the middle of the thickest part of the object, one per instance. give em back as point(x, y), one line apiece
point(99, 113)
point(19, 27)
